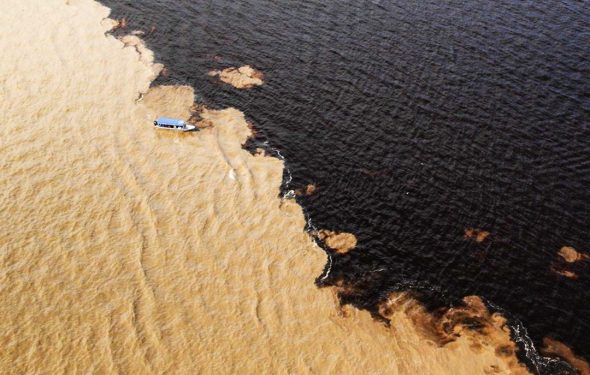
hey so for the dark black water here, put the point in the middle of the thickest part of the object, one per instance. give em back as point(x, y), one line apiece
point(416, 120)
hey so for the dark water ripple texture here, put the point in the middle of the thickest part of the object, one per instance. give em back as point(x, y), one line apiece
point(416, 120)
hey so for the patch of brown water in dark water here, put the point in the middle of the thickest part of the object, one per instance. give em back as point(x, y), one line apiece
point(417, 120)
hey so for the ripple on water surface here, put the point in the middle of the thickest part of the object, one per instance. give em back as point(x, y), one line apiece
point(417, 122)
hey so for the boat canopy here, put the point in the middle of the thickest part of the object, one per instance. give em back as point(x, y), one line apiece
point(170, 121)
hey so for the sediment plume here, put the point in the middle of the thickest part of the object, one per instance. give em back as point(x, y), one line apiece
point(565, 264)
point(244, 77)
point(571, 255)
point(126, 249)
point(340, 242)
point(552, 347)
point(565, 273)
point(472, 324)
point(477, 235)
point(309, 189)
point(146, 56)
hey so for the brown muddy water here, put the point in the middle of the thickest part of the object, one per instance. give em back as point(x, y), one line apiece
point(450, 139)
point(417, 121)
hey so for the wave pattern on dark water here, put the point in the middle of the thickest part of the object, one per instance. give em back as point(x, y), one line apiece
point(417, 120)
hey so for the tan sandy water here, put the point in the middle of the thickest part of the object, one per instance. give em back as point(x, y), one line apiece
point(244, 77)
point(128, 250)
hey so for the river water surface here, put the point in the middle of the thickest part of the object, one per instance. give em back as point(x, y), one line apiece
point(416, 120)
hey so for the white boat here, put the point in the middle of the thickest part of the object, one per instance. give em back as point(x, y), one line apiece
point(173, 124)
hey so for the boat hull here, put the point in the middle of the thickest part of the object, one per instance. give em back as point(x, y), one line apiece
point(186, 128)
